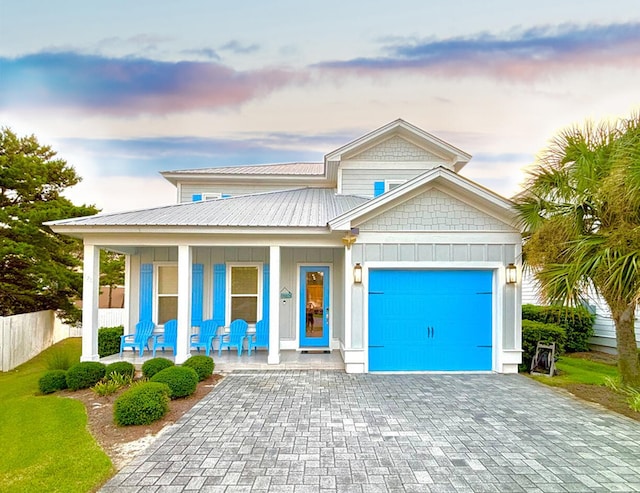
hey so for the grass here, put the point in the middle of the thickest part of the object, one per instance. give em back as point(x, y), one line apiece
point(44, 440)
point(580, 370)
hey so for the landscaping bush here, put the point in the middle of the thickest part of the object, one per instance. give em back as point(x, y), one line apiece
point(111, 383)
point(182, 381)
point(84, 375)
point(577, 323)
point(154, 365)
point(123, 368)
point(109, 340)
point(534, 332)
point(203, 365)
point(60, 358)
point(142, 404)
point(52, 381)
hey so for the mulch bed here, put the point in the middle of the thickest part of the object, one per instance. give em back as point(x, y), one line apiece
point(121, 443)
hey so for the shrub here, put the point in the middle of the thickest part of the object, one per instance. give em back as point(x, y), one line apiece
point(60, 358)
point(534, 332)
point(111, 383)
point(123, 368)
point(52, 381)
point(203, 365)
point(142, 404)
point(182, 381)
point(109, 340)
point(84, 375)
point(577, 323)
point(154, 365)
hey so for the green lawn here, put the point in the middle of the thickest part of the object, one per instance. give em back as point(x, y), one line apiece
point(44, 441)
point(579, 370)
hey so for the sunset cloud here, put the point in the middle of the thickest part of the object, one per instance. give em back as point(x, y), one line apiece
point(129, 86)
point(517, 55)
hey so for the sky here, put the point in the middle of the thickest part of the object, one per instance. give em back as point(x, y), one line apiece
point(123, 90)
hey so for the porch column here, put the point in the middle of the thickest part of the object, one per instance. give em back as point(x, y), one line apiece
point(90, 294)
point(184, 303)
point(126, 319)
point(274, 305)
point(348, 287)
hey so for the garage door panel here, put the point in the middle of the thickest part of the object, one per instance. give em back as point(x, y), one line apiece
point(430, 320)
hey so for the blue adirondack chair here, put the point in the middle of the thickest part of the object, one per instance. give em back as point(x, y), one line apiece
point(235, 338)
point(140, 339)
point(260, 338)
point(169, 339)
point(207, 334)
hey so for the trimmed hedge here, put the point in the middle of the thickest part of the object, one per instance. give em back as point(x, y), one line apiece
point(534, 332)
point(109, 340)
point(182, 381)
point(52, 381)
point(123, 368)
point(142, 404)
point(154, 365)
point(203, 365)
point(85, 374)
point(577, 322)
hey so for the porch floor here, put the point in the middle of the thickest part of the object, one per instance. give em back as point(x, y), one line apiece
point(229, 360)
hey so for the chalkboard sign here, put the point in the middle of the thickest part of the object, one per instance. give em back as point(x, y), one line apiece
point(543, 362)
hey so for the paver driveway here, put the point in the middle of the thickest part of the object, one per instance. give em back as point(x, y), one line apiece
point(315, 431)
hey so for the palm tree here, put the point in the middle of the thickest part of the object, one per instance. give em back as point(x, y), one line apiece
point(581, 214)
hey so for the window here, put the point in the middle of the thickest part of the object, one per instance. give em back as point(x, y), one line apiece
point(167, 296)
point(211, 196)
point(244, 292)
point(391, 184)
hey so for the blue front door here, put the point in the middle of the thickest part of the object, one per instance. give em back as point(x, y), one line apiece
point(430, 320)
point(314, 306)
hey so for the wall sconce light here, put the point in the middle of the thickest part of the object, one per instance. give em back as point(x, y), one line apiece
point(511, 273)
point(357, 274)
point(348, 240)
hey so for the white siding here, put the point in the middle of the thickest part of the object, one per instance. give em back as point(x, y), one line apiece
point(187, 190)
point(359, 181)
point(395, 149)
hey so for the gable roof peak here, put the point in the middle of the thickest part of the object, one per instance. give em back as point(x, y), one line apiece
point(416, 135)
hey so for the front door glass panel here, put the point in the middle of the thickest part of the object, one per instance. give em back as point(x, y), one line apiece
point(314, 306)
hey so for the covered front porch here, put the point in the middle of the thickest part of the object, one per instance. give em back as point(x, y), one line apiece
point(229, 361)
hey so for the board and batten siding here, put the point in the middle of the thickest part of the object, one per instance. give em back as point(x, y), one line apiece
point(290, 258)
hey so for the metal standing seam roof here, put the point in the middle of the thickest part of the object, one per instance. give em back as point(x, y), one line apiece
point(259, 169)
point(304, 207)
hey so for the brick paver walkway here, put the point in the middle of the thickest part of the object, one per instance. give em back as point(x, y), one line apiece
point(327, 431)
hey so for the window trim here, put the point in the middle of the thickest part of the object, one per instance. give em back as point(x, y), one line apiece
point(228, 295)
point(211, 195)
point(388, 183)
point(156, 288)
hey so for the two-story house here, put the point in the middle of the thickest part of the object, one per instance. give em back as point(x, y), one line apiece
point(382, 252)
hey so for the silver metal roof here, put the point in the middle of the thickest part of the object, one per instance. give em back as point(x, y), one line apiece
point(304, 207)
point(259, 169)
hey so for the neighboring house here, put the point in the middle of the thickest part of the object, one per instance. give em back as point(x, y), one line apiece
point(604, 329)
point(382, 252)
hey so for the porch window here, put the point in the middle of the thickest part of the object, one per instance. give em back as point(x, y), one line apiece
point(167, 300)
point(391, 184)
point(244, 294)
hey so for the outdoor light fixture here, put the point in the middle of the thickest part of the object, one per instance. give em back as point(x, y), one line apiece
point(357, 274)
point(511, 273)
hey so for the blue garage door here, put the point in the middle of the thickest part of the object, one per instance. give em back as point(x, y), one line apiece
point(430, 320)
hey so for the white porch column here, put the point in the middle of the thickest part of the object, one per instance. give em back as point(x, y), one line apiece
point(126, 322)
point(274, 305)
point(348, 288)
point(184, 303)
point(90, 294)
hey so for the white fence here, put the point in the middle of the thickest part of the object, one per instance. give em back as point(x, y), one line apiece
point(26, 335)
